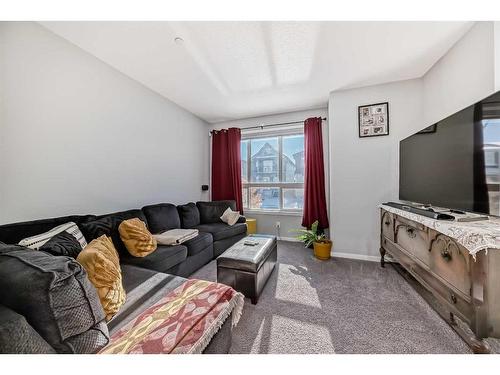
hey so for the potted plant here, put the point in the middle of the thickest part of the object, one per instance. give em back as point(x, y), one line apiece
point(322, 245)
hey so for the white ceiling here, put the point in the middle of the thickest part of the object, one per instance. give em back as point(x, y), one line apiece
point(231, 70)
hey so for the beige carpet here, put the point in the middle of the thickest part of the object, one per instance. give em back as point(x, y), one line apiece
point(337, 306)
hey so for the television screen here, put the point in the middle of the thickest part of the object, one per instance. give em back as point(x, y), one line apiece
point(455, 163)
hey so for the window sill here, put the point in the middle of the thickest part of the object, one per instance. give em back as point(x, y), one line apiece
point(272, 212)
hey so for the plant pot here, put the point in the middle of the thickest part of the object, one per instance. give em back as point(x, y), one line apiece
point(322, 249)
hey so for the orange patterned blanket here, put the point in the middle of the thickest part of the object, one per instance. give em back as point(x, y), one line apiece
point(184, 321)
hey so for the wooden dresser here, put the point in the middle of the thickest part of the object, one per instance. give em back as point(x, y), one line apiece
point(447, 276)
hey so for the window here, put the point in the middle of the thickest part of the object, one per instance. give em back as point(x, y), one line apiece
point(272, 173)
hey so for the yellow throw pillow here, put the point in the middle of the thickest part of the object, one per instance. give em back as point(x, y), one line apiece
point(136, 237)
point(100, 260)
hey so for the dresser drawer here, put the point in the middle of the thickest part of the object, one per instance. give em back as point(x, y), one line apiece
point(387, 225)
point(450, 261)
point(413, 238)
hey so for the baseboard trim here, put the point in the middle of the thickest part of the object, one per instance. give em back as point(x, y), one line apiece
point(289, 239)
point(335, 254)
point(370, 258)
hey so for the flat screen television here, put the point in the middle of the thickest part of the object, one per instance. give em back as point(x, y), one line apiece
point(455, 163)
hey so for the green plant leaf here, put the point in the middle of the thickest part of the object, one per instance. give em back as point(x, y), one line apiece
point(314, 227)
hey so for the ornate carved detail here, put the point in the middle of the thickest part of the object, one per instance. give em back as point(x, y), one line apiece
point(473, 236)
point(459, 280)
point(453, 298)
point(450, 248)
point(410, 231)
point(386, 219)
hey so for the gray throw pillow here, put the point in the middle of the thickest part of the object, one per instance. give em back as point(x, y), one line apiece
point(55, 296)
point(62, 244)
point(190, 216)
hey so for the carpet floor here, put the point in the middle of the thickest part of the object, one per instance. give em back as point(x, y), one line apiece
point(337, 306)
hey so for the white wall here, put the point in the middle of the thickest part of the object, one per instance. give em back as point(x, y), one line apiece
point(80, 137)
point(266, 223)
point(364, 171)
point(465, 75)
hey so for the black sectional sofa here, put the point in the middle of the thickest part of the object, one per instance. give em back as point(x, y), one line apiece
point(145, 280)
point(182, 260)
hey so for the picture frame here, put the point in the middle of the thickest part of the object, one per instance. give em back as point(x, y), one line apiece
point(373, 120)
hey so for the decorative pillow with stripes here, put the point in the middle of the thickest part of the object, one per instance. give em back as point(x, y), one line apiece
point(36, 242)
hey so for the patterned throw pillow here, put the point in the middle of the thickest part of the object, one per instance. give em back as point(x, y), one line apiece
point(230, 217)
point(136, 237)
point(36, 242)
point(100, 260)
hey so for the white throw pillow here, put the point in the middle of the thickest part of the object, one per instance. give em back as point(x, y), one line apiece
point(36, 242)
point(230, 217)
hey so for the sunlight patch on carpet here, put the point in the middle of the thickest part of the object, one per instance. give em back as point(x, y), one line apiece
point(300, 336)
point(294, 285)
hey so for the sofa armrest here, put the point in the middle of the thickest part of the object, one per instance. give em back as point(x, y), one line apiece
point(17, 336)
point(242, 219)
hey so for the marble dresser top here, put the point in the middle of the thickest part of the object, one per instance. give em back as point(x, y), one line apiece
point(473, 235)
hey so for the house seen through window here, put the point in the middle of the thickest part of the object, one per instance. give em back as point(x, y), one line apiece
point(272, 173)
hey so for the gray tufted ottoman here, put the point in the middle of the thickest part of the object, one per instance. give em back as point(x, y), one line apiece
point(247, 268)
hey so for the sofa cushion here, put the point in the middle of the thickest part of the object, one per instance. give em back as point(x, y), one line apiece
point(197, 244)
point(189, 214)
point(62, 244)
point(163, 258)
point(55, 296)
point(18, 337)
point(221, 231)
point(210, 212)
point(100, 260)
point(137, 238)
point(108, 225)
point(162, 217)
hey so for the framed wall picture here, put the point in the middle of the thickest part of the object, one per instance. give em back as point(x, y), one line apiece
point(373, 120)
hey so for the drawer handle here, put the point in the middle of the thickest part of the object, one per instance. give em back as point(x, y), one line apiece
point(446, 255)
point(453, 298)
point(411, 232)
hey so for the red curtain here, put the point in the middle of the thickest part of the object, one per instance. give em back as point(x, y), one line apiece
point(314, 184)
point(226, 166)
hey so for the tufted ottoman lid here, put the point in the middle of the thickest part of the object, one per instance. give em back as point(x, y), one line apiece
point(245, 257)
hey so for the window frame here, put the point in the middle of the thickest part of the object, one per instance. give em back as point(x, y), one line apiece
point(280, 185)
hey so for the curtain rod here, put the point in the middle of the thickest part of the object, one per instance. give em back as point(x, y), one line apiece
point(271, 125)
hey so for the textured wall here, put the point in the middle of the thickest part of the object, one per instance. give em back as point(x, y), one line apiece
point(465, 75)
point(78, 136)
point(364, 171)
